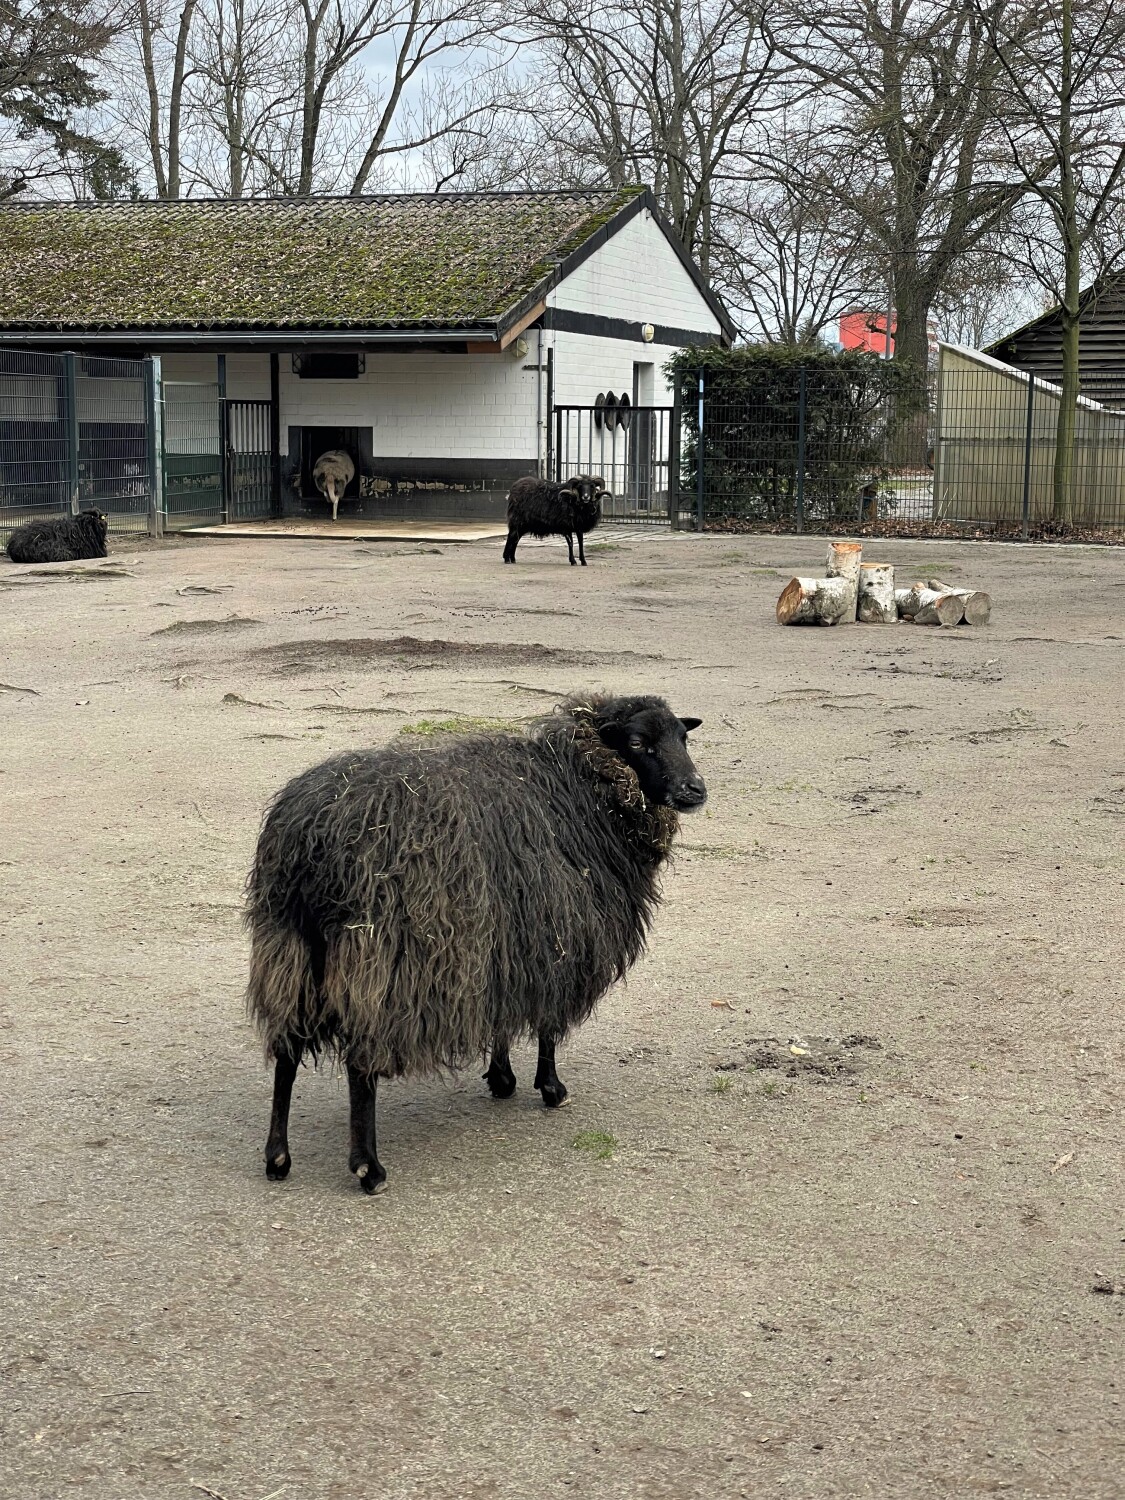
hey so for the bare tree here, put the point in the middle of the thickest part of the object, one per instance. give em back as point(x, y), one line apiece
point(661, 92)
point(792, 258)
point(159, 33)
point(1062, 66)
point(243, 96)
point(911, 144)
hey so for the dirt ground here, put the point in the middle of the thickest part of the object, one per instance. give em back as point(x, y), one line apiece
point(890, 1263)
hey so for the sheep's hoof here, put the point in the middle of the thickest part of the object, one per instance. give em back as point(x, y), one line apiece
point(277, 1165)
point(583, 562)
point(372, 1177)
point(554, 1094)
point(501, 1081)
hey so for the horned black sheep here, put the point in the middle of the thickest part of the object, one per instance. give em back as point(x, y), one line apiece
point(543, 507)
point(412, 909)
point(60, 539)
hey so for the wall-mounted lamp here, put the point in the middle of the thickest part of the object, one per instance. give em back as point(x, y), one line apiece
point(648, 332)
point(519, 348)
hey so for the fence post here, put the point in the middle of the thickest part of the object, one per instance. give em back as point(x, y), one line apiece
point(699, 460)
point(154, 430)
point(674, 456)
point(802, 402)
point(1026, 506)
point(70, 388)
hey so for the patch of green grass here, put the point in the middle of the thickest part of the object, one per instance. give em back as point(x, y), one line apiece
point(605, 547)
point(463, 724)
point(771, 1090)
point(722, 1084)
point(595, 1143)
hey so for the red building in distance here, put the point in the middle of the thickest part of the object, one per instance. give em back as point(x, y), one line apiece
point(868, 331)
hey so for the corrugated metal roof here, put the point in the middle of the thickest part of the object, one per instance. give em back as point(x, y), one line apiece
point(402, 261)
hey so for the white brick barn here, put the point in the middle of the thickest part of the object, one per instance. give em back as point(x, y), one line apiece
point(442, 340)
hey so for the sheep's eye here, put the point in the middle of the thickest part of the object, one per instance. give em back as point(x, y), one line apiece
point(636, 744)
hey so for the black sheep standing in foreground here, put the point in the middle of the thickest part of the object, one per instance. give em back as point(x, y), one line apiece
point(546, 508)
point(60, 539)
point(412, 909)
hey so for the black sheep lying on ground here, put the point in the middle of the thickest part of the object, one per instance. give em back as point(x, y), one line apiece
point(60, 539)
point(543, 507)
point(413, 909)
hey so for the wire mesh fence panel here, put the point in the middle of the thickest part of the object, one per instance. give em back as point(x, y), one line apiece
point(193, 455)
point(35, 471)
point(815, 449)
point(113, 446)
point(984, 449)
point(628, 446)
point(1007, 459)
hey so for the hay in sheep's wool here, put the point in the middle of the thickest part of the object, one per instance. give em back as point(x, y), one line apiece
point(408, 905)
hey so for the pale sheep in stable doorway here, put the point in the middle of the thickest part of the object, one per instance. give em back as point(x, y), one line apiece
point(332, 473)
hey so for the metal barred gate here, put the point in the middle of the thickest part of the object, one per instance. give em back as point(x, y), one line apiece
point(247, 459)
point(633, 449)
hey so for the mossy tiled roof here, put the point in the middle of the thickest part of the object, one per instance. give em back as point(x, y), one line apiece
point(407, 261)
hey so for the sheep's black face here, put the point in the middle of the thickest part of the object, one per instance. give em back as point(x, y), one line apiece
point(654, 742)
point(585, 492)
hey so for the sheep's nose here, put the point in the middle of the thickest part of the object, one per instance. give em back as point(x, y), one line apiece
point(692, 791)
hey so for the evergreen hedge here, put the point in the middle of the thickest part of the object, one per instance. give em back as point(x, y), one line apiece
point(864, 416)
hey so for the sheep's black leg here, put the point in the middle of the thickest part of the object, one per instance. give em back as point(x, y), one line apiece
point(362, 1159)
point(278, 1160)
point(500, 1078)
point(511, 544)
point(570, 549)
point(581, 550)
point(547, 1081)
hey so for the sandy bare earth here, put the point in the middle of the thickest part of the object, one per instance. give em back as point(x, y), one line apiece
point(891, 1264)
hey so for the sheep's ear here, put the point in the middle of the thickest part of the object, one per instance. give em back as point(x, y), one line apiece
point(690, 724)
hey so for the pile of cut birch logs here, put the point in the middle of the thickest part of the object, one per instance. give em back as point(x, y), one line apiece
point(855, 590)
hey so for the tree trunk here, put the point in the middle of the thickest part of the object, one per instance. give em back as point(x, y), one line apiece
point(176, 98)
point(877, 594)
point(152, 89)
point(1066, 215)
point(844, 560)
point(816, 601)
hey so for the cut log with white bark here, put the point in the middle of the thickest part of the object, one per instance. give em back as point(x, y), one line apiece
point(978, 604)
point(844, 560)
point(877, 594)
point(816, 601)
point(909, 601)
point(936, 608)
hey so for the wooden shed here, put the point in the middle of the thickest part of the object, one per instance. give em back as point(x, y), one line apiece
point(1036, 348)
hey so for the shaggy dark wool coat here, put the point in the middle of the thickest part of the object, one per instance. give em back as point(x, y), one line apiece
point(408, 905)
point(61, 539)
point(542, 507)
